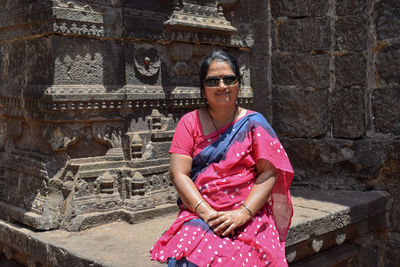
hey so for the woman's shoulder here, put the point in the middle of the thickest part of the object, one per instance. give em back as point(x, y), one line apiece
point(256, 117)
point(190, 120)
point(251, 113)
point(190, 116)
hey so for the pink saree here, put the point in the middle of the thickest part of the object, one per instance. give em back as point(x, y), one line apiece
point(224, 172)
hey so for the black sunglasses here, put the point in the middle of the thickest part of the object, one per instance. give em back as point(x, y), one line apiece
point(214, 81)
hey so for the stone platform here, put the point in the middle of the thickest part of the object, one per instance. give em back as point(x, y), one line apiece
point(324, 232)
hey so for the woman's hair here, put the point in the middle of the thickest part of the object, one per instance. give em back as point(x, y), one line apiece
point(219, 55)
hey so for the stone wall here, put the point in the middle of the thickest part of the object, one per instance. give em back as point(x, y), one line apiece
point(335, 78)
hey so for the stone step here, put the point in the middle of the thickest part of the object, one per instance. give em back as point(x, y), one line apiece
point(105, 164)
point(322, 222)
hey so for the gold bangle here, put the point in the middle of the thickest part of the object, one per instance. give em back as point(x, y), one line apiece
point(198, 204)
point(248, 210)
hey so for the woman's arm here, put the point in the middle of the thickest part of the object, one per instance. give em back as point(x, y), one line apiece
point(179, 170)
point(226, 222)
point(262, 187)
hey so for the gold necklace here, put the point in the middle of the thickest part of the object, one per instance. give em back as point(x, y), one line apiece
point(213, 122)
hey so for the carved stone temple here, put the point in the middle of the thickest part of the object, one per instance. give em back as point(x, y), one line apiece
point(90, 94)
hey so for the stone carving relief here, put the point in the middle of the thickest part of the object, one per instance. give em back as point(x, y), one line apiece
point(73, 18)
point(157, 182)
point(105, 184)
point(184, 69)
point(136, 145)
point(80, 29)
point(68, 184)
point(195, 18)
point(147, 60)
point(133, 183)
point(181, 55)
point(71, 5)
point(63, 137)
point(156, 120)
point(108, 134)
point(190, 22)
point(60, 137)
point(79, 69)
point(138, 184)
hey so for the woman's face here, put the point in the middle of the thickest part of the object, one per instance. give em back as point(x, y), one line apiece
point(222, 94)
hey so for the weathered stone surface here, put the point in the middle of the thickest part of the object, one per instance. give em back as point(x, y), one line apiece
point(86, 61)
point(351, 33)
point(306, 8)
point(386, 106)
point(300, 70)
point(393, 249)
point(303, 35)
point(387, 19)
point(388, 64)
point(350, 70)
point(367, 256)
point(19, 66)
point(394, 189)
point(344, 7)
point(338, 163)
point(348, 113)
point(300, 112)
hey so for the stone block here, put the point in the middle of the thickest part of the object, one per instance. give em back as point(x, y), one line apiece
point(386, 109)
point(302, 35)
point(300, 112)
point(337, 163)
point(263, 97)
point(362, 158)
point(351, 33)
point(345, 7)
point(350, 70)
point(387, 64)
point(387, 19)
point(258, 9)
point(301, 70)
point(394, 188)
point(392, 249)
point(348, 113)
point(305, 8)
point(367, 256)
point(19, 66)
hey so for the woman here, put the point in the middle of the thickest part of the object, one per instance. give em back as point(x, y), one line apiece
point(233, 178)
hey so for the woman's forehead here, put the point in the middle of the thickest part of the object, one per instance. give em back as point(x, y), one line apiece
point(219, 66)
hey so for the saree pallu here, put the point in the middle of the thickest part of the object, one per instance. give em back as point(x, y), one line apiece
point(224, 173)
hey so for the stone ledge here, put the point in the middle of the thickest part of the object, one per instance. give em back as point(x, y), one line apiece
point(328, 220)
point(323, 226)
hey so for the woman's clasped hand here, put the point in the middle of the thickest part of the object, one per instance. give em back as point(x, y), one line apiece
point(225, 222)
